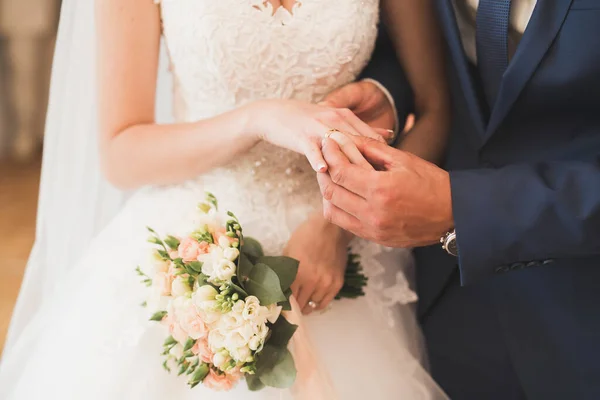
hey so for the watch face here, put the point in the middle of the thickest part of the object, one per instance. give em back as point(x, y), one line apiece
point(451, 247)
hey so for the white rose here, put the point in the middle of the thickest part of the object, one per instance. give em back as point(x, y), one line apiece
point(224, 242)
point(251, 308)
point(177, 351)
point(238, 307)
point(204, 293)
point(235, 340)
point(242, 354)
point(231, 321)
point(180, 286)
point(220, 358)
point(261, 331)
point(208, 267)
point(273, 313)
point(254, 343)
point(216, 340)
point(231, 253)
point(246, 331)
point(225, 270)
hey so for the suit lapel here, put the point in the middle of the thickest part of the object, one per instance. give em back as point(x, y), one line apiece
point(450, 27)
point(543, 27)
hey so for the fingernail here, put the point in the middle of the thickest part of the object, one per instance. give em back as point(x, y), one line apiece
point(322, 167)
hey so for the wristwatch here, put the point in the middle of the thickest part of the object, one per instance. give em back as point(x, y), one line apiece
point(448, 242)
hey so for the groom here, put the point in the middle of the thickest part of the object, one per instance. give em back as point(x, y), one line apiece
point(510, 307)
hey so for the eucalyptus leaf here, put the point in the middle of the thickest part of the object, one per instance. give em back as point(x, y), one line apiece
point(281, 332)
point(244, 268)
point(239, 290)
point(286, 269)
point(263, 283)
point(252, 248)
point(254, 383)
point(275, 367)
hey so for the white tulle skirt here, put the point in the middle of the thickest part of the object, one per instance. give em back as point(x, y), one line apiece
point(92, 340)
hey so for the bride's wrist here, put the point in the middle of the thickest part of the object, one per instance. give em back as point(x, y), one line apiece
point(252, 117)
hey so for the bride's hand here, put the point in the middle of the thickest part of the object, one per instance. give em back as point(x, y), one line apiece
point(301, 126)
point(322, 249)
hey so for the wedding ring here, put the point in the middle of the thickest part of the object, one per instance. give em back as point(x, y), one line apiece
point(312, 304)
point(330, 132)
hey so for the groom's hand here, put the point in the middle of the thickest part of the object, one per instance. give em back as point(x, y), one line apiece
point(406, 202)
point(366, 100)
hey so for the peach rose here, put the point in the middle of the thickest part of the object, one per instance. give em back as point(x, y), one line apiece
point(202, 350)
point(189, 249)
point(192, 322)
point(217, 381)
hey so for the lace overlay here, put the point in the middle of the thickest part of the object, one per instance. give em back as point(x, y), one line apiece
point(255, 53)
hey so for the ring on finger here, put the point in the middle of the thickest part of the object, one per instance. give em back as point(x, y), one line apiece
point(313, 304)
point(331, 132)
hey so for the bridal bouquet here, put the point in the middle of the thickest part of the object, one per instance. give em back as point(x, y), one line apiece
point(221, 300)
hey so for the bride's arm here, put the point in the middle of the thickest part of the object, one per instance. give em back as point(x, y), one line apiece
point(414, 30)
point(136, 151)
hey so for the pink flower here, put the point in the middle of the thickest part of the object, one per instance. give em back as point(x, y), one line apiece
point(202, 350)
point(162, 282)
point(188, 249)
point(217, 381)
point(192, 322)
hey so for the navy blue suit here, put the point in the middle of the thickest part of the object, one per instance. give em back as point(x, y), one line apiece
point(517, 315)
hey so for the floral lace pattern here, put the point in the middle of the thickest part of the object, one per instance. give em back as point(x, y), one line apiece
point(259, 52)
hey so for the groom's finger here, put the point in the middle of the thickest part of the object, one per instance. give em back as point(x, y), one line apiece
point(348, 96)
point(343, 172)
point(341, 218)
point(340, 197)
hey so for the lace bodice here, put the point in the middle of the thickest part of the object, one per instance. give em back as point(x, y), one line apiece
point(226, 53)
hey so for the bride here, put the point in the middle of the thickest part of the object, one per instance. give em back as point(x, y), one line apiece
point(247, 77)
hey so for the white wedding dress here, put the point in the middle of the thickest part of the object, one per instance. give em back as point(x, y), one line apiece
point(93, 341)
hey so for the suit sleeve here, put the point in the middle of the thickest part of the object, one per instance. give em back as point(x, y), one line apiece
point(524, 216)
point(385, 68)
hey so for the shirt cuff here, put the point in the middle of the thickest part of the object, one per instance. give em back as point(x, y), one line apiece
point(392, 102)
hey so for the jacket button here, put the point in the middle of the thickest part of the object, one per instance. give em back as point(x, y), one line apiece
point(501, 269)
point(532, 264)
point(517, 266)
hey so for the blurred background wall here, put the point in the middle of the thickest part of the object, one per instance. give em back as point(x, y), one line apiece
point(27, 36)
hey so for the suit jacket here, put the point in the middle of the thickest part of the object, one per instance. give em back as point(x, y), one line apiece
point(525, 180)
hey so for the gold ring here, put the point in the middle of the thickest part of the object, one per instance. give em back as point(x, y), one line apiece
point(331, 132)
point(312, 304)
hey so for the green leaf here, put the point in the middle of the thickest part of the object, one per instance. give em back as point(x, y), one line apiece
point(189, 344)
point(254, 383)
point(244, 268)
point(163, 254)
point(275, 367)
point(252, 248)
point(286, 269)
point(169, 341)
point(239, 290)
point(158, 316)
point(196, 266)
point(199, 374)
point(286, 306)
point(281, 333)
point(172, 242)
point(263, 283)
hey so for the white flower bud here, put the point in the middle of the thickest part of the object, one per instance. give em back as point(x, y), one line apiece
point(224, 242)
point(225, 270)
point(231, 253)
point(220, 358)
point(254, 343)
point(180, 286)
